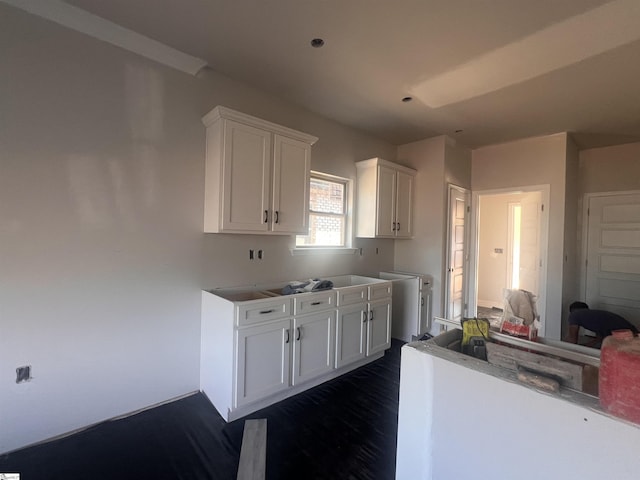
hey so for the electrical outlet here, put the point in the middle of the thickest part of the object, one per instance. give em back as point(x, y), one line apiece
point(250, 254)
point(259, 254)
point(23, 374)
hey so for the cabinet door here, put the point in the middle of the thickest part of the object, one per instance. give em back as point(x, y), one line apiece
point(404, 206)
point(313, 345)
point(290, 208)
point(386, 202)
point(379, 327)
point(351, 334)
point(262, 361)
point(246, 174)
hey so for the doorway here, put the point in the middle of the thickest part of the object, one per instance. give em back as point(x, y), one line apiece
point(509, 232)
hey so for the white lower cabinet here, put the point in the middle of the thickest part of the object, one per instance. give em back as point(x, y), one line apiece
point(263, 361)
point(258, 347)
point(379, 327)
point(362, 330)
point(313, 340)
point(351, 327)
point(275, 355)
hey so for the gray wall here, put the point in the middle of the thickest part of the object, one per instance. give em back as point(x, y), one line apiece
point(533, 161)
point(439, 162)
point(102, 255)
point(610, 169)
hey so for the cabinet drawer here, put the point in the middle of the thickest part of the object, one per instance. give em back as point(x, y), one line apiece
point(378, 291)
point(351, 295)
point(251, 313)
point(314, 302)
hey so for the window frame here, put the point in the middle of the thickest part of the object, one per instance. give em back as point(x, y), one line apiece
point(347, 240)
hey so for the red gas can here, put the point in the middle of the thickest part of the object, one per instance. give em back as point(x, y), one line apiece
point(619, 383)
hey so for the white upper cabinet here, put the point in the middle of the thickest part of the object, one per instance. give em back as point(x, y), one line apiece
point(257, 175)
point(384, 199)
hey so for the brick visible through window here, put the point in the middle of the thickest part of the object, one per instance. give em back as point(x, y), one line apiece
point(327, 213)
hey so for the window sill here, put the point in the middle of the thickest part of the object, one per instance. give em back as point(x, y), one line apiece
point(323, 251)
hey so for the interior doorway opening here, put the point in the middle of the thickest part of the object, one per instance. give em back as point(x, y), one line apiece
point(508, 247)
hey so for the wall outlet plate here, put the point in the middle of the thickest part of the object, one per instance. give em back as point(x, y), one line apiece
point(23, 374)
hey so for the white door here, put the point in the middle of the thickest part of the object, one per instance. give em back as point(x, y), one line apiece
point(246, 173)
point(351, 334)
point(456, 255)
point(379, 327)
point(292, 160)
point(530, 212)
point(313, 345)
point(263, 361)
point(613, 255)
point(386, 198)
point(404, 205)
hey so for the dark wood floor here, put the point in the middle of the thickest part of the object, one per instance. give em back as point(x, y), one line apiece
point(343, 429)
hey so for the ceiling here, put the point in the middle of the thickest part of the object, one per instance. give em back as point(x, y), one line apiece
point(480, 71)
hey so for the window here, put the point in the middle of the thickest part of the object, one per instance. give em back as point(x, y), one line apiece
point(327, 212)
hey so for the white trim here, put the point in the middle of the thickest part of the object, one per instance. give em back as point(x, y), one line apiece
point(322, 251)
point(465, 274)
point(229, 114)
point(82, 21)
point(381, 161)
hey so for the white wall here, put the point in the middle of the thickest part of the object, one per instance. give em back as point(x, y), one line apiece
point(423, 252)
point(610, 169)
point(458, 422)
point(571, 256)
point(438, 162)
point(492, 234)
point(102, 255)
point(533, 161)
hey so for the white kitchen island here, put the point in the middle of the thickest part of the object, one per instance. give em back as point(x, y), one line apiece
point(462, 418)
point(259, 347)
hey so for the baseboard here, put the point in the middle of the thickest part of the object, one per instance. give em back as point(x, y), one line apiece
point(91, 425)
point(490, 304)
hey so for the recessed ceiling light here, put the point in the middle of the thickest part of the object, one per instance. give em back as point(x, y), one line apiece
point(407, 99)
point(317, 42)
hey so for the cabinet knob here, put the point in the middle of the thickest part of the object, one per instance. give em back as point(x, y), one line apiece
point(370, 315)
point(398, 227)
point(266, 216)
point(297, 333)
point(276, 217)
point(394, 227)
point(287, 339)
point(364, 317)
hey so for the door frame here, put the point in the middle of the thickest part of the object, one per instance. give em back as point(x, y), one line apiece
point(584, 244)
point(447, 274)
point(472, 282)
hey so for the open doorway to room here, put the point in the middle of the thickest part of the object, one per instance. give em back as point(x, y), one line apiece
point(509, 239)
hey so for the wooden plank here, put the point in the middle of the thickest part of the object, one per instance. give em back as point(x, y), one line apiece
point(538, 381)
point(568, 374)
point(253, 453)
point(568, 351)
